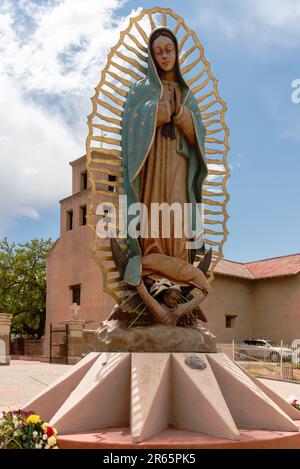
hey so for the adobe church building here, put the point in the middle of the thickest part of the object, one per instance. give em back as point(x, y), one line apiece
point(255, 299)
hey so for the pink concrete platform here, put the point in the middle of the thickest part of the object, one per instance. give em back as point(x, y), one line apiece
point(172, 438)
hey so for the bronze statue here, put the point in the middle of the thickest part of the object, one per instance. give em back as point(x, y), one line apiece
point(146, 129)
point(163, 162)
point(163, 159)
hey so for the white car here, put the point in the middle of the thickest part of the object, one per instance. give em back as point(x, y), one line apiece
point(262, 349)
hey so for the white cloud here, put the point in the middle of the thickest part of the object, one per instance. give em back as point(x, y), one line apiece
point(35, 149)
point(278, 13)
point(50, 58)
point(260, 22)
point(30, 213)
point(28, 171)
point(67, 48)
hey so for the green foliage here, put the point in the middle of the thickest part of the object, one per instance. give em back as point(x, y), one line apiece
point(23, 285)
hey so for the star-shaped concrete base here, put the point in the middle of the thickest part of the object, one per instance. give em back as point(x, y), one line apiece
point(204, 393)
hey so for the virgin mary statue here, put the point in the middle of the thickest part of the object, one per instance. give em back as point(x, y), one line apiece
point(163, 162)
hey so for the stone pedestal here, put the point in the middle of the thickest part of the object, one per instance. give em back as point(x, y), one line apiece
point(5, 321)
point(75, 340)
point(204, 393)
point(114, 336)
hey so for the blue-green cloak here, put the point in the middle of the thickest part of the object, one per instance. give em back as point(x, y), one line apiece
point(143, 99)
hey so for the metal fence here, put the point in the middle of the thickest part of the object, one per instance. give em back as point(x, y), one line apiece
point(281, 362)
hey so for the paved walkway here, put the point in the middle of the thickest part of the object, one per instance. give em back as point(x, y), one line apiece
point(22, 380)
point(283, 388)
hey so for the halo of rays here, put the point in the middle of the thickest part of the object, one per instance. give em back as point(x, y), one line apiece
point(127, 63)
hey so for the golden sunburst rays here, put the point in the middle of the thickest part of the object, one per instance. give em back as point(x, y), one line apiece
point(127, 63)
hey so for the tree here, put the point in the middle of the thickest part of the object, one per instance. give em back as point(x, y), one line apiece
point(23, 284)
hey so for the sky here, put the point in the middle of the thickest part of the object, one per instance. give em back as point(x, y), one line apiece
point(51, 56)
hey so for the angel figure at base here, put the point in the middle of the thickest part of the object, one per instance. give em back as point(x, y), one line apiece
point(168, 310)
point(161, 301)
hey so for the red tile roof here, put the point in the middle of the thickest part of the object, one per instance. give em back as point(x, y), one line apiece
point(234, 269)
point(266, 268)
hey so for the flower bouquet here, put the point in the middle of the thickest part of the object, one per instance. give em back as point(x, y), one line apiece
point(294, 401)
point(20, 429)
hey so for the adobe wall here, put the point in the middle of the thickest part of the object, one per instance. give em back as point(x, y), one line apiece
point(230, 296)
point(78, 167)
point(70, 263)
point(276, 308)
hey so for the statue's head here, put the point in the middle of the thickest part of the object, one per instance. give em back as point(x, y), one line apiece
point(164, 49)
point(166, 292)
point(171, 297)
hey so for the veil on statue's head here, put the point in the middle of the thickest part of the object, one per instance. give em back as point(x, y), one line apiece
point(168, 129)
point(152, 73)
point(162, 31)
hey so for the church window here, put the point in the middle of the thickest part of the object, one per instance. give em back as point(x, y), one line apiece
point(112, 178)
point(83, 180)
point(230, 321)
point(82, 220)
point(75, 291)
point(70, 220)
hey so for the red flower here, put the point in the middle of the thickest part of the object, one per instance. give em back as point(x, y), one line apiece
point(49, 431)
